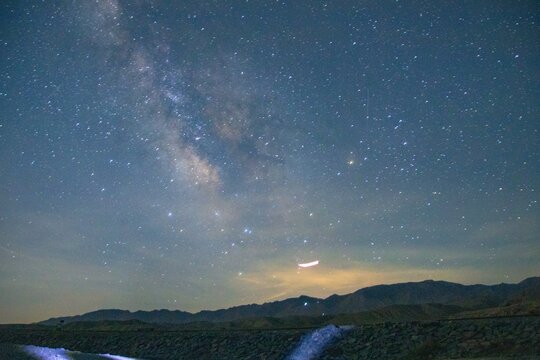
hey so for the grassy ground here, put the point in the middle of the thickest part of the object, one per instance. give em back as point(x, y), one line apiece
point(13, 352)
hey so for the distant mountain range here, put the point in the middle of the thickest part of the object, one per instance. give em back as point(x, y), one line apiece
point(397, 300)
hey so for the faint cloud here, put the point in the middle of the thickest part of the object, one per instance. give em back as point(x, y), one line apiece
point(323, 280)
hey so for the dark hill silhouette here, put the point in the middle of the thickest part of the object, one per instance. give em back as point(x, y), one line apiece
point(472, 297)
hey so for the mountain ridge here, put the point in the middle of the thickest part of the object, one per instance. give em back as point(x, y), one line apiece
point(473, 297)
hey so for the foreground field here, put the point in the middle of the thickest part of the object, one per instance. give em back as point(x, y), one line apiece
point(503, 337)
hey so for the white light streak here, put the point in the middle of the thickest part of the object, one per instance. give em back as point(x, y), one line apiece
point(309, 264)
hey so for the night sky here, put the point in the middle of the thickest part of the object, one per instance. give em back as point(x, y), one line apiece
point(189, 154)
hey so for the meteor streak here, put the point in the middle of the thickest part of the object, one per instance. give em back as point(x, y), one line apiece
point(309, 264)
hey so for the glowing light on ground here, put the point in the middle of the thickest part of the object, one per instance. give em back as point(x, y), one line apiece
point(309, 264)
point(44, 353)
point(115, 357)
point(313, 344)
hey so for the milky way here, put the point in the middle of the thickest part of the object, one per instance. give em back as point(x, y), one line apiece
point(190, 154)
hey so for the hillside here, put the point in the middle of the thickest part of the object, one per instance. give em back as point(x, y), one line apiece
point(468, 297)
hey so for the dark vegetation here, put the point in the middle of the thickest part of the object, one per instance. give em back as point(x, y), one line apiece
point(517, 337)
